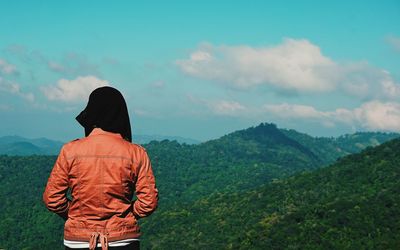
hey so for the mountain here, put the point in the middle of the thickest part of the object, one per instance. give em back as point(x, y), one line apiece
point(235, 182)
point(240, 160)
point(144, 139)
point(246, 159)
point(20, 148)
point(16, 145)
point(352, 204)
point(331, 148)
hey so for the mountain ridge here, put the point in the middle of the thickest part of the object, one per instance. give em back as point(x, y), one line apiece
point(351, 204)
point(12, 144)
point(18, 145)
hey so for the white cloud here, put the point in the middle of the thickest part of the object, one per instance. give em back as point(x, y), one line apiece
point(291, 111)
point(68, 65)
point(294, 65)
point(220, 107)
point(15, 88)
point(373, 115)
point(73, 64)
point(379, 116)
point(158, 84)
point(200, 56)
point(394, 42)
point(224, 107)
point(367, 82)
point(390, 88)
point(75, 90)
point(7, 68)
point(54, 66)
point(10, 86)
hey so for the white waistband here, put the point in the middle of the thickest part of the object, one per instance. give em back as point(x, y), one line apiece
point(84, 244)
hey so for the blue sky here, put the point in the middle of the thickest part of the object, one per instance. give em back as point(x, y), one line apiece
point(201, 69)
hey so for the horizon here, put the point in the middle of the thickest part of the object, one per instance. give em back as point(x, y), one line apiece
point(218, 137)
point(201, 70)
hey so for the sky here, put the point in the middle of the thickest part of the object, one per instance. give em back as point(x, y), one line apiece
point(201, 69)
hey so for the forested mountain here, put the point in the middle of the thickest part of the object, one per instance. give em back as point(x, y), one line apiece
point(143, 139)
point(241, 160)
point(233, 182)
point(353, 204)
point(331, 148)
point(17, 145)
point(246, 159)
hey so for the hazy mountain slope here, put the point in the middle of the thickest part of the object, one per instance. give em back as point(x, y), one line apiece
point(16, 145)
point(331, 148)
point(20, 148)
point(352, 143)
point(353, 204)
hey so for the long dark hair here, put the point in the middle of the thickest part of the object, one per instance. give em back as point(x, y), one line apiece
point(106, 109)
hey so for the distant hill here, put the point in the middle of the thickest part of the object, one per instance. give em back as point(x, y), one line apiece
point(331, 148)
point(353, 204)
point(144, 139)
point(16, 145)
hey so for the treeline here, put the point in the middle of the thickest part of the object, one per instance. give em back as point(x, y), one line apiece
point(353, 204)
point(254, 187)
point(24, 221)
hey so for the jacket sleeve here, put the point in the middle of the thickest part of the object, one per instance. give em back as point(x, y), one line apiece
point(55, 194)
point(146, 191)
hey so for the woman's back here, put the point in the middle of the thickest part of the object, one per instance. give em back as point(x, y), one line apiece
point(103, 171)
point(101, 175)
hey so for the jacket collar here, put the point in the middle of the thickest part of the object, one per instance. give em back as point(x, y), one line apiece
point(99, 131)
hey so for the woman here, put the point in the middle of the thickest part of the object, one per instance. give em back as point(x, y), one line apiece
point(103, 170)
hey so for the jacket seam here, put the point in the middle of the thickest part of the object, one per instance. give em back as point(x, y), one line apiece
point(79, 191)
point(101, 196)
point(107, 228)
point(100, 156)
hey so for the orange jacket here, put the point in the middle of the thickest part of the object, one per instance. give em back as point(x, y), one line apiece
point(103, 172)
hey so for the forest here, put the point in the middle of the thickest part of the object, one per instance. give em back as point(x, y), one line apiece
point(257, 188)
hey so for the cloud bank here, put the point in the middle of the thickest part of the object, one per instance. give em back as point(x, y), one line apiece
point(7, 68)
point(15, 89)
point(8, 85)
point(373, 115)
point(299, 66)
point(294, 65)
